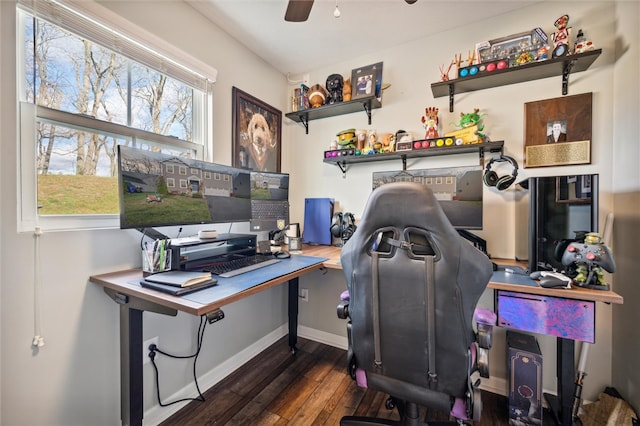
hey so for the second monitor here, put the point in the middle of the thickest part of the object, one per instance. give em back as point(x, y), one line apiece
point(269, 201)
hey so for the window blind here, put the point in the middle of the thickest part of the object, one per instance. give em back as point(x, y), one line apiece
point(94, 22)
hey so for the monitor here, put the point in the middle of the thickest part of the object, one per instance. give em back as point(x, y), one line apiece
point(159, 189)
point(562, 209)
point(269, 201)
point(458, 190)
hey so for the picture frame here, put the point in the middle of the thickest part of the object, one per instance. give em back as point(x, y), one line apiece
point(557, 132)
point(367, 81)
point(256, 133)
point(575, 189)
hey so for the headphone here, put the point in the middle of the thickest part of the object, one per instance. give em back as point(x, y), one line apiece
point(343, 225)
point(491, 178)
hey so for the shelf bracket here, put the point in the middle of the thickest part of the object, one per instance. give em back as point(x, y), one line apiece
point(481, 156)
point(367, 110)
point(566, 70)
point(404, 163)
point(451, 93)
point(343, 167)
point(304, 119)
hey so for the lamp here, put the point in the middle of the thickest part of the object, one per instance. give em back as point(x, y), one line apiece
point(336, 12)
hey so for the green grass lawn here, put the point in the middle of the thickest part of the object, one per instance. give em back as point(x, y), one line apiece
point(66, 194)
point(172, 209)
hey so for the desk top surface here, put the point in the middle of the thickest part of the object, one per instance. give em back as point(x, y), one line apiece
point(500, 280)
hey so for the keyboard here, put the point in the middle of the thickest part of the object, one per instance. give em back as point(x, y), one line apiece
point(231, 268)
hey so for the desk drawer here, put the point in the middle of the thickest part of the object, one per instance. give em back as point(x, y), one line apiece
point(555, 316)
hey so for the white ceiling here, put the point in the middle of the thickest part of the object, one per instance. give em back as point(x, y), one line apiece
point(365, 26)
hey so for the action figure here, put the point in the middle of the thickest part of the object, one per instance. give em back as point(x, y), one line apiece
point(430, 122)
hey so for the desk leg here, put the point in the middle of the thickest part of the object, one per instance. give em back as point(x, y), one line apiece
point(561, 407)
point(293, 314)
point(131, 379)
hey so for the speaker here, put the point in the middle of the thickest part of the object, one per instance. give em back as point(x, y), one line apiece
point(491, 178)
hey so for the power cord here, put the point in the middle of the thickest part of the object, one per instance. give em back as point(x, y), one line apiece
point(153, 349)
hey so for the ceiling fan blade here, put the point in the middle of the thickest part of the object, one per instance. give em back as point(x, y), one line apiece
point(298, 10)
point(411, 1)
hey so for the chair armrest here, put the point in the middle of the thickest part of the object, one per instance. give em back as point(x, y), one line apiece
point(343, 306)
point(485, 319)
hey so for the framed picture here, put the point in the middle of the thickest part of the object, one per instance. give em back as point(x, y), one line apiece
point(557, 131)
point(256, 133)
point(367, 81)
point(573, 189)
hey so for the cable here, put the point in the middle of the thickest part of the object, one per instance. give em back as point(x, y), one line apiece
point(153, 349)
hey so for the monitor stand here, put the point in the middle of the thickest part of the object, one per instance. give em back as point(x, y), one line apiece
point(153, 233)
point(479, 243)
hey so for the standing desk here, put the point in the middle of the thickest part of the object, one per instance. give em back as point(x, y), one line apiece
point(545, 320)
point(124, 288)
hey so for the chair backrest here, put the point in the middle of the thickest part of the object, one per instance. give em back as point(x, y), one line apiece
point(414, 283)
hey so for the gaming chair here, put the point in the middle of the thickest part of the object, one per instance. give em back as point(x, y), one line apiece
point(412, 287)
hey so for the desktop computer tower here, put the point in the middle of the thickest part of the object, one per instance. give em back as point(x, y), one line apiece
point(525, 379)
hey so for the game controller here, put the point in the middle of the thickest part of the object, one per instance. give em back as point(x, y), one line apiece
point(549, 279)
point(591, 254)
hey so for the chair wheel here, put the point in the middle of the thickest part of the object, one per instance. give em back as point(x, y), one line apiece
point(390, 404)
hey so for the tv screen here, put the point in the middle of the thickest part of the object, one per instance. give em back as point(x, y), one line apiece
point(562, 209)
point(269, 201)
point(158, 189)
point(458, 189)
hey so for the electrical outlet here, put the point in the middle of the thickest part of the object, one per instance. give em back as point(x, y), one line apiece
point(304, 294)
point(145, 348)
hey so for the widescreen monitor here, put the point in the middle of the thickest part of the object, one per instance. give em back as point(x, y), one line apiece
point(458, 190)
point(158, 189)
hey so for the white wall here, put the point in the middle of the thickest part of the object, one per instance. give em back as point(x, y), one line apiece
point(74, 379)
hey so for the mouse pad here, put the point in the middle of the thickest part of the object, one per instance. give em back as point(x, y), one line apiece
point(511, 278)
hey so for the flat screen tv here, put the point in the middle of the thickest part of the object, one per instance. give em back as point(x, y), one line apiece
point(458, 189)
point(158, 189)
point(561, 209)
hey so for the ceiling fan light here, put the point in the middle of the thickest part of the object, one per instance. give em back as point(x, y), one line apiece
point(336, 12)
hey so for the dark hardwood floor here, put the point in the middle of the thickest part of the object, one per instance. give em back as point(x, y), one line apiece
point(310, 388)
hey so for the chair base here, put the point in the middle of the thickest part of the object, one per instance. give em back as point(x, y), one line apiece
point(409, 417)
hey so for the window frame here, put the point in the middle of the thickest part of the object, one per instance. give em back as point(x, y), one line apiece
point(82, 15)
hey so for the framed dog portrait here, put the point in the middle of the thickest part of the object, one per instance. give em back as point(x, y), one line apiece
point(558, 131)
point(367, 81)
point(256, 133)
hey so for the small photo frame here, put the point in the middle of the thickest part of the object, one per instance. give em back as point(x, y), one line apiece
point(367, 81)
point(257, 133)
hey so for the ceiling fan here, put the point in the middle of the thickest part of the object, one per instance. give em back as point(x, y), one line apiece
point(298, 10)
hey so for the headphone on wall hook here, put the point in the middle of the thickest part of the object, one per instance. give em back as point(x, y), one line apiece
point(491, 178)
point(343, 225)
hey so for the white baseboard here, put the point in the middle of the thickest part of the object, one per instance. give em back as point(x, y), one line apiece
point(334, 340)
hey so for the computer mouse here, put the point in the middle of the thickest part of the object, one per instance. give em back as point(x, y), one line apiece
point(535, 275)
point(552, 282)
point(282, 254)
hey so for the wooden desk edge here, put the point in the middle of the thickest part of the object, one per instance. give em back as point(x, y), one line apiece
point(120, 281)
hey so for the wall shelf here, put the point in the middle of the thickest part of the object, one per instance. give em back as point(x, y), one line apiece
point(361, 104)
point(343, 161)
point(563, 66)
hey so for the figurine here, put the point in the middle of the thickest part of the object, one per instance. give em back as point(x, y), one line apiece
point(317, 96)
point(430, 122)
point(473, 119)
point(346, 90)
point(471, 57)
point(561, 36)
point(582, 44)
point(458, 61)
point(334, 86)
point(444, 76)
point(589, 273)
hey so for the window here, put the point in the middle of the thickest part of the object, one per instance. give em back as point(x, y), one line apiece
point(81, 99)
